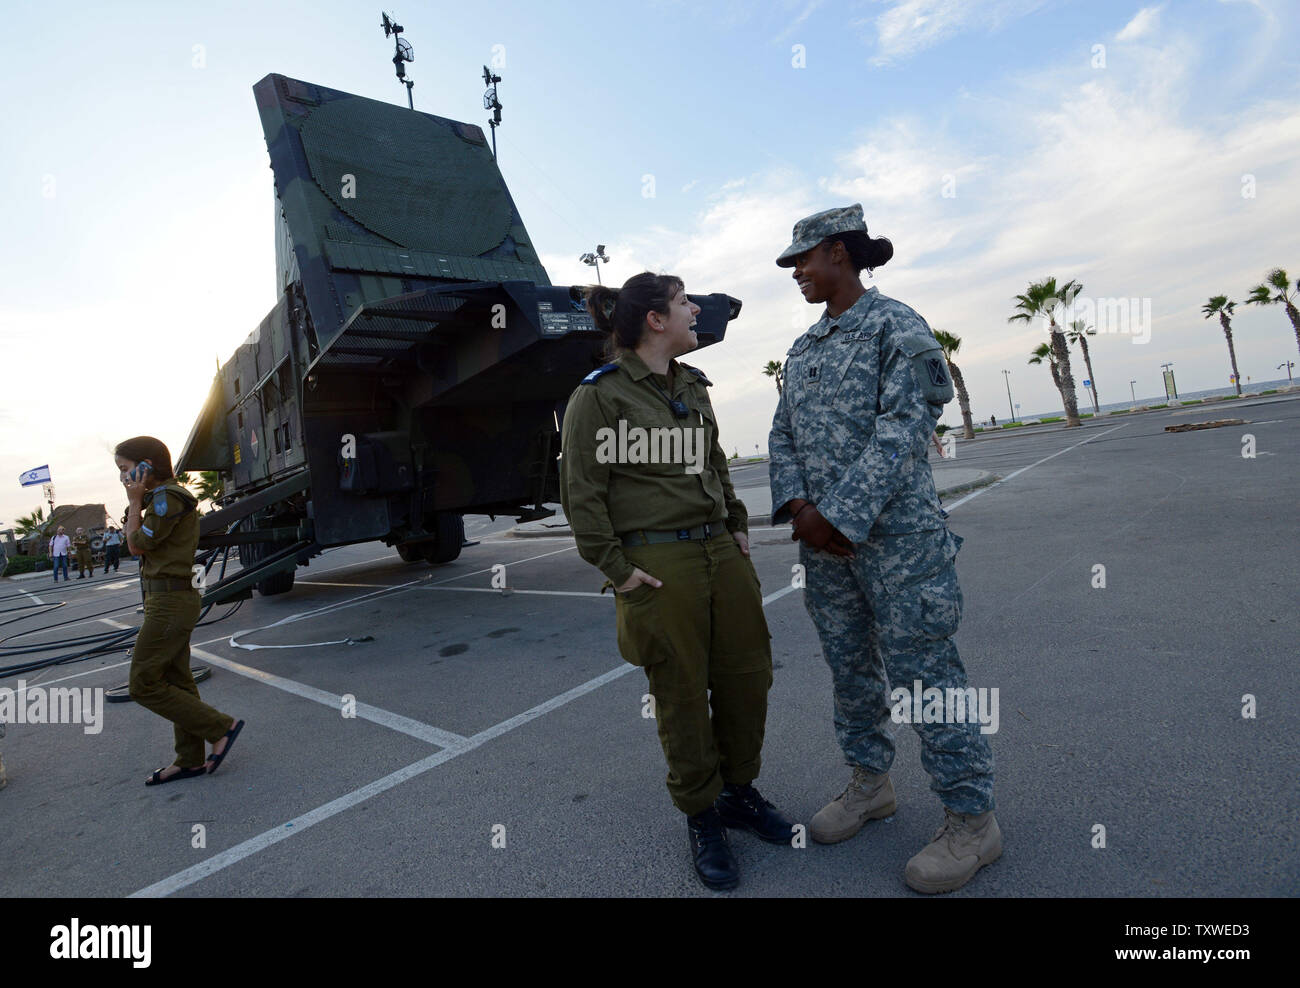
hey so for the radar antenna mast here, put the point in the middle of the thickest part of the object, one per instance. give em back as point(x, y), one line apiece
point(402, 53)
point(490, 102)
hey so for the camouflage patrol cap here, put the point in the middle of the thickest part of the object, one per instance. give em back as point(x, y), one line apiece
point(812, 230)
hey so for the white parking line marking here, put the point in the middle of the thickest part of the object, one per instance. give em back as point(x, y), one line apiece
point(376, 715)
point(341, 604)
point(297, 825)
point(88, 672)
point(218, 862)
point(511, 590)
point(322, 583)
point(998, 483)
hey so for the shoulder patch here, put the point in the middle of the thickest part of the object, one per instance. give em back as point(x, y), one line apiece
point(160, 503)
point(698, 373)
point(598, 373)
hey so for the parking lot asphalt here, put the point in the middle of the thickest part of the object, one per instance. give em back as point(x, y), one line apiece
point(499, 746)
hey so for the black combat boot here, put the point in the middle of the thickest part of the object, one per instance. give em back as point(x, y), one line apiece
point(741, 807)
point(714, 861)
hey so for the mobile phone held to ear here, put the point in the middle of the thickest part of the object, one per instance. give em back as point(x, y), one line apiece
point(139, 470)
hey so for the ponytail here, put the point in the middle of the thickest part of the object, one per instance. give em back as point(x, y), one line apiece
point(620, 313)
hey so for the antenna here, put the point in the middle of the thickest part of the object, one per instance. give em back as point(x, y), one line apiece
point(402, 52)
point(490, 102)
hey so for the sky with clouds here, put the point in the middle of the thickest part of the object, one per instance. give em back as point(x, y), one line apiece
point(1147, 151)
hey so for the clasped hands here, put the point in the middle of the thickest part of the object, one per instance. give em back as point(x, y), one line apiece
point(813, 530)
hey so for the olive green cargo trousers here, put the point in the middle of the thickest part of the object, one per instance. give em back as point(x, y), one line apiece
point(703, 641)
point(161, 679)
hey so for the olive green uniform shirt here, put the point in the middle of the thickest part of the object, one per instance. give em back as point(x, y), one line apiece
point(606, 493)
point(81, 546)
point(169, 532)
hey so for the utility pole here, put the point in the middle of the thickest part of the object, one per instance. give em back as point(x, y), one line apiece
point(595, 258)
point(1007, 375)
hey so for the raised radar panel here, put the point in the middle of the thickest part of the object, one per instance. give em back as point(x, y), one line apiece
point(417, 361)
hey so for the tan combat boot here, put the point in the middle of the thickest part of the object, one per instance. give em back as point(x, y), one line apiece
point(962, 846)
point(867, 797)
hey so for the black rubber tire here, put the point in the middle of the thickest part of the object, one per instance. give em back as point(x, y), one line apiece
point(251, 554)
point(410, 553)
point(451, 535)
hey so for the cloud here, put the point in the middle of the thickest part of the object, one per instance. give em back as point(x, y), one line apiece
point(1117, 179)
point(1143, 23)
point(798, 20)
point(910, 26)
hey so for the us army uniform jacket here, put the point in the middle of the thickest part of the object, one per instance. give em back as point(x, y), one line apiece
point(862, 393)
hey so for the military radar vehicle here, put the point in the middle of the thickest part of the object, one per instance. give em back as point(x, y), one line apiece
point(415, 366)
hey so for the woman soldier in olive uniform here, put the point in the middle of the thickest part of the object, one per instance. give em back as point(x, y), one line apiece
point(646, 490)
point(163, 526)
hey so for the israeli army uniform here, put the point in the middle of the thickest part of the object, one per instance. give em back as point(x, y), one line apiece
point(160, 662)
point(81, 546)
point(862, 393)
point(688, 635)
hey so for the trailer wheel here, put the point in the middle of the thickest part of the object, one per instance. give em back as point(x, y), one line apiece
point(410, 553)
point(451, 534)
point(253, 553)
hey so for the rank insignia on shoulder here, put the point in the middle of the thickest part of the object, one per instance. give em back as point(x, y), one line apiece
point(698, 373)
point(938, 375)
point(598, 373)
point(160, 503)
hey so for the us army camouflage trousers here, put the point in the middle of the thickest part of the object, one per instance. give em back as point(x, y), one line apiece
point(888, 616)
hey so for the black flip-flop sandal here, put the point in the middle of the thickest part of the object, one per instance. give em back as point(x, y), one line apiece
point(157, 779)
point(230, 736)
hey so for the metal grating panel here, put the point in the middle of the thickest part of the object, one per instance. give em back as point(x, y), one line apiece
point(416, 181)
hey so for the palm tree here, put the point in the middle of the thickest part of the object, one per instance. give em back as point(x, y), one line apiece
point(1044, 352)
point(775, 369)
point(1220, 306)
point(1259, 295)
point(950, 345)
point(206, 484)
point(30, 524)
point(1079, 333)
point(1041, 302)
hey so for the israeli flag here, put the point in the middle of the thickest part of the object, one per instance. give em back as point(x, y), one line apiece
point(36, 475)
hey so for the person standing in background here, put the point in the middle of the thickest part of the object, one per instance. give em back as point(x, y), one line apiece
point(84, 560)
point(59, 546)
point(112, 548)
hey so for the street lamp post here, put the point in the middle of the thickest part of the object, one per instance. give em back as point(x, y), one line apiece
point(1288, 365)
point(594, 258)
point(1007, 376)
point(1132, 391)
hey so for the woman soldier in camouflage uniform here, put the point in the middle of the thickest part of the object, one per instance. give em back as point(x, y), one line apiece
point(662, 521)
point(163, 527)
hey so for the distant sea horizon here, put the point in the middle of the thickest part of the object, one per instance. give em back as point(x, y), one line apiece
point(1085, 400)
